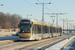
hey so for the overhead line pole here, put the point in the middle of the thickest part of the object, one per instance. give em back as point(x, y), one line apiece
point(67, 26)
point(43, 10)
point(57, 20)
point(63, 25)
point(64, 20)
point(68, 21)
point(42, 16)
point(57, 16)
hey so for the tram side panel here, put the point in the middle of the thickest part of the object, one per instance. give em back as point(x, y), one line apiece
point(51, 31)
point(45, 31)
point(37, 32)
point(60, 31)
point(56, 31)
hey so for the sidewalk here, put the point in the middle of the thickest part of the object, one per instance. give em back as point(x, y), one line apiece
point(61, 45)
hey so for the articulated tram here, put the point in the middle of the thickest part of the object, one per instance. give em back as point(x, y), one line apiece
point(34, 30)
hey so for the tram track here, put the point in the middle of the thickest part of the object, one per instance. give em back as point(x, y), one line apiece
point(51, 42)
point(26, 44)
point(38, 44)
point(17, 42)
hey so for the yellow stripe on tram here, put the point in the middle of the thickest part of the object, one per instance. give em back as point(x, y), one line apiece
point(25, 34)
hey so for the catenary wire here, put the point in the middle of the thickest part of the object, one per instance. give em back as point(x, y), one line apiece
point(32, 5)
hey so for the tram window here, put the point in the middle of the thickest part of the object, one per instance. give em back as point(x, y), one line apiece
point(43, 29)
point(47, 29)
point(51, 29)
point(54, 29)
point(39, 28)
point(34, 29)
point(57, 30)
point(60, 29)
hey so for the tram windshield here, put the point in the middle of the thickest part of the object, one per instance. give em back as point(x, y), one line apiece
point(25, 28)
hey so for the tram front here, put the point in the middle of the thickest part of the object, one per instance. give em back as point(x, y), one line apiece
point(25, 29)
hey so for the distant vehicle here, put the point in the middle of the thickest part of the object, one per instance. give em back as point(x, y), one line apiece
point(35, 30)
point(17, 33)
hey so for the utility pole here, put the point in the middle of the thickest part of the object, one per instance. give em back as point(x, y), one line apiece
point(56, 15)
point(63, 26)
point(57, 20)
point(67, 26)
point(64, 20)
point(68, 21)
point(42, 16)
point(43, 10)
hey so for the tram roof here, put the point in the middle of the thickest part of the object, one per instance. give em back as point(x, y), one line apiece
point(37, 21)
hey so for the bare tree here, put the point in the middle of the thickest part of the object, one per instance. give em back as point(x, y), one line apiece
point(2, 20)
point(15, 20)
point(9, 21)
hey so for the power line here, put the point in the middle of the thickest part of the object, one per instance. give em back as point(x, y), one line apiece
point(33, 5)
point(49, 9)
point(38, 1)
point(55, 6)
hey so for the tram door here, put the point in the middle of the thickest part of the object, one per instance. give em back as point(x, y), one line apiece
point(35, 31)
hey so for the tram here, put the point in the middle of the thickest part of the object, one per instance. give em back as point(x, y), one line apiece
point(34, 30)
